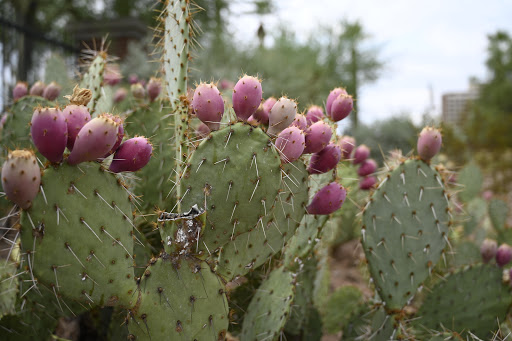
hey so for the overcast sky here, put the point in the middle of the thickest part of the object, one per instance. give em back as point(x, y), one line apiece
point(434, 43)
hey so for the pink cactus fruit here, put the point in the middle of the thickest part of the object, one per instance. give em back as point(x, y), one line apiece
point(290, 144)
point(251, 120)
point(341, 107)
point(488, 250)
point(281, 115)
point(95, 139)
point(247, 97)
point(120, 133)
point(133, 79)
point(300, 122)
point(21, 177)
point(318, 136)
point(112, 75)
point(52, 91)
point(325, 160)
point(360, 154)
point(208, 105)
point(225, 84)
point(76, 116)
point(367, 182)
point(37, 89)
point(347, 144)
point(120, 95)
point(153, 88)
point(429, 143)
point(137, 91)
point(332, 96)
point(503, 255)
point(328, 199)
point(49, 132)
point(487, 195)
point(367, 167)
point(3, 120)
point(20, 90)
point(260, 116)
point(202, 131)
point(132, 155)
point(314, 114)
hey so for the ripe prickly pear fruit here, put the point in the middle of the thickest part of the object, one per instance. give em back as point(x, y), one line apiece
point(328, 199)
point(202, 131)
point(429, 143)
point(247, 97)
point(347, 144)
point(120, 133)
point(133, 79)
point(325, 160)
point(20, 90)
point(281, 115)
point(360, 154)
point(120, 95)
point(341, 107)
point(260, 116)
point(318, 136)
point(95, 139)
point(367, 182)
point(488, 250)
point(208, 105)
point(49, 132)
point(153, 88)
point(332, 96)
point(112, 75)
point(290, 144)
point(251, 120)
point(37, 89)
point(52, 91)
point(132, 155)
point(503, 255)
point(76, 114)
point(137, 91)
point(314, 114)
point(21, 177)
point(367, 167)
point(300, 122)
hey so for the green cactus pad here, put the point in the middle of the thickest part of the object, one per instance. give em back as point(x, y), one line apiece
point(236, 173)
point(251, 249)
point(498, 211)
point(472, 299)
point(404, 231)
point(371, 324)
point(270, 307)
point(343, 303)
point(93, 80)
point(470, 177)
point(180, 300)
point(8, 287)
point(78, 235)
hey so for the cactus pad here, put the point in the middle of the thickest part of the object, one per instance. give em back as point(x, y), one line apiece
point(93, 80)
point(404, 231)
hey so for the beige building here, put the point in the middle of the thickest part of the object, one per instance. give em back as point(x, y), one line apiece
point(455, 103)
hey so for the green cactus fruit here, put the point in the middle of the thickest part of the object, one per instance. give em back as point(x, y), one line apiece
point(93, 80)
point(471, 300)
point(180, 299)
point(77, 235)
point(270, 307)
point(251, 249)
point(470, 177)
point(235, 174)
point(404, 232)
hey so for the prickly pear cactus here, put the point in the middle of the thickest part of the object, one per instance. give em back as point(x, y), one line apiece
point(93, 80)
point(404, 231)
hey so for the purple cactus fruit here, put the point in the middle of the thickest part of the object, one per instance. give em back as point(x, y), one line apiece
point(247, 97)
point(52, 91)
point(347, 144)
point(300, 122)
point(332, 96)
point(153, 88)
point(112, 75)
point(487, 195)
point(488, 250)
point(360, 154)
point(367, 182)
point(137, 91)
point(132, 155)
point(503, 255)
point(325, 160)
point(251, 120)
point(120, 133)
point(133, 79)
point(367, 167)
point(37, 89)
point(208, 105)
point(429, 143)
point(341, 107)
point(95, 139)
point(21, 177)
point(318, 136)
point(314, 114)
point(260, 116)
point(202, 131)
point(49, 132)
point(20, 90)
point(281, 115)
point(76, 116)
point(226, 84)
point(328, 199)
point(290, 144)
point(120, 95)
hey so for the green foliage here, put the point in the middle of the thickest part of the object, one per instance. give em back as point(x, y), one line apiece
point(470, 178)
point(343, 303)
point(498, 211)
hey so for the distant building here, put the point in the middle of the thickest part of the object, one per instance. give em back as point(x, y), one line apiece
point(455, 103)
